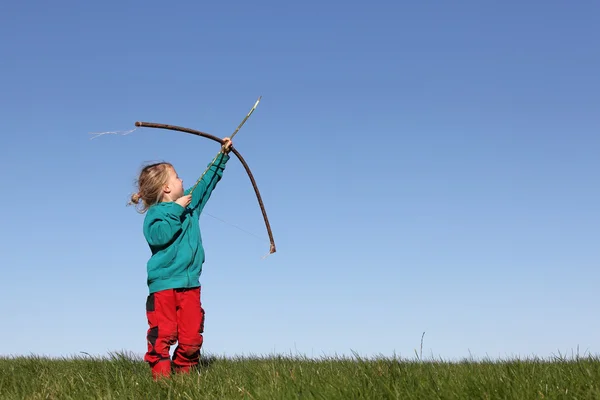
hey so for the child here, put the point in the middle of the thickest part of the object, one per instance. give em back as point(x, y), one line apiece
point(171, 228)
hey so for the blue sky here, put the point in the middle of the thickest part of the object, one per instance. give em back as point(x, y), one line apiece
point(426, 167)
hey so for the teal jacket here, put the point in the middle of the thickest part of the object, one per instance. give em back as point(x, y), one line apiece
point(173, 234)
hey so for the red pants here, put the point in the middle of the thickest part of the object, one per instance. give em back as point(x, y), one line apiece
point(174, 315)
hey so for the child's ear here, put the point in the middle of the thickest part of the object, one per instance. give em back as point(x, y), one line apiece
point(166, 189)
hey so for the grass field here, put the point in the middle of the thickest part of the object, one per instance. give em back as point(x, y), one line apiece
point(120, 376)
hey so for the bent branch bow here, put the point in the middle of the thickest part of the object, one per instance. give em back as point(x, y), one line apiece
point(234, 151)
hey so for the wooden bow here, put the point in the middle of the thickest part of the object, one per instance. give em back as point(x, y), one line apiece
point(234, 151)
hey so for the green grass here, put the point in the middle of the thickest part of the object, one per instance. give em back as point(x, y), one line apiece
point(123, 377)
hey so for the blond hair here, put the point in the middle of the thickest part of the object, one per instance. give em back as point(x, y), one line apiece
point(150, 184)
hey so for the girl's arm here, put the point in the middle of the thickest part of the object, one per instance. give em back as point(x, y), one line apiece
point(207, 184)
point(163, 223)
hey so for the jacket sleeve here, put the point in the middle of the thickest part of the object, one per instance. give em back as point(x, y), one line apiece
point(163, 224)
point(208, 183)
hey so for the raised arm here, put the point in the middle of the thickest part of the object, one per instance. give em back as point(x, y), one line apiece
point(202, 191)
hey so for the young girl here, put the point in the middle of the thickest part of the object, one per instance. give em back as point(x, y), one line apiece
point(171, 228)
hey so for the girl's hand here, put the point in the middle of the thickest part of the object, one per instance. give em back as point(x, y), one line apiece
point(226, 148)
point(184, 201)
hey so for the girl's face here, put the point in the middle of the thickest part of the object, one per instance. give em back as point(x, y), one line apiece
point(174, 187)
